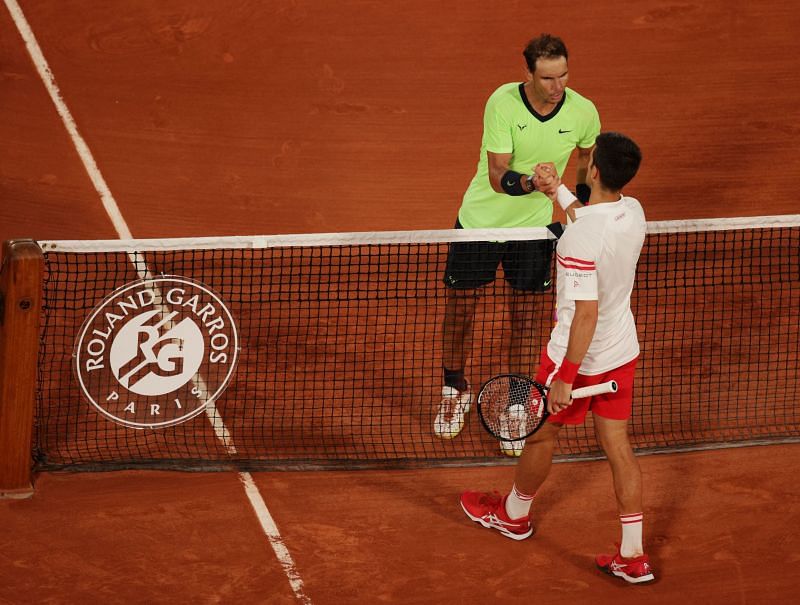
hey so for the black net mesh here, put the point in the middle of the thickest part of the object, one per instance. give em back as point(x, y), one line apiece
point(340, 349)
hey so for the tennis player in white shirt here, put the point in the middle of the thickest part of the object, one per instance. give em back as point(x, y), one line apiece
point(594, 341)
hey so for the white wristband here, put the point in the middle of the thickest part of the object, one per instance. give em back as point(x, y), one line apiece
point(565, 197)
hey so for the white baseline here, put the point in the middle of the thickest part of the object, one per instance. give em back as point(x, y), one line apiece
point(121, 227)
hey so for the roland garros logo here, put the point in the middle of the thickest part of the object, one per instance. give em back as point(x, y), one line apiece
point(156, 352)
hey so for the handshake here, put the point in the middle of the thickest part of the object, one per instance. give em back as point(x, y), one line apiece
point(546, 180)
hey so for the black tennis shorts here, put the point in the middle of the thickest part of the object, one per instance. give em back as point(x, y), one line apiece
point(527, 265)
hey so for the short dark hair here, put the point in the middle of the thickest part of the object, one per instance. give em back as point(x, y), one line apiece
point(544, 46)
point(617, 158)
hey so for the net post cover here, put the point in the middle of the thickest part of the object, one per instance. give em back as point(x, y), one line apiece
point(20, 307)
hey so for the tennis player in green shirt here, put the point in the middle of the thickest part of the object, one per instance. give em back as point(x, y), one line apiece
point(525, 124)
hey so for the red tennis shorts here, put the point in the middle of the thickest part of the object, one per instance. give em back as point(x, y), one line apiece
point(614, 406)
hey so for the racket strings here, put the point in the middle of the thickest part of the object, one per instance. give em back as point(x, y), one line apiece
point(512, 407)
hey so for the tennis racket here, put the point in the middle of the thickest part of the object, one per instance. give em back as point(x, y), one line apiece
point(513, 407)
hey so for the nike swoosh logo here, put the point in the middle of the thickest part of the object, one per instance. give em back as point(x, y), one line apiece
point(563, 131)
point(510, 183)
point(548, 282)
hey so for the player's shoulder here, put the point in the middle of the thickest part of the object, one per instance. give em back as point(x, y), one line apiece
point(634, 206)
point(632, 201)
point(505, 89)
point(505, 93)
point(577, 98)
point(625, 218)
point(580, 237)
point(578, 102)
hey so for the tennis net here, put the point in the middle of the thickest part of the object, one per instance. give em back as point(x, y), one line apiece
point(325, 350)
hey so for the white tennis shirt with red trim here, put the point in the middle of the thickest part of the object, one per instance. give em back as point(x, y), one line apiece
point(596, 260)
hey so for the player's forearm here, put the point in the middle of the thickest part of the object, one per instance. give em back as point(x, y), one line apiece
point(504, 180)
point(496, 177)
point(567, 200)
point(580, 174)
point(581, 332)
point(582, 166)
point(582, 185)
point(497, 164)
point(510, 182)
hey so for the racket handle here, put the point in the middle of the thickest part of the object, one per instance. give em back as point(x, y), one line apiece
point(595, 389)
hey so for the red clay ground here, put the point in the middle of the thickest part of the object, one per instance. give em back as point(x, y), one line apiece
point(719, 525)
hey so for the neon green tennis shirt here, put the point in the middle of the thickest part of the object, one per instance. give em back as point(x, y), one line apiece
point(511, 125)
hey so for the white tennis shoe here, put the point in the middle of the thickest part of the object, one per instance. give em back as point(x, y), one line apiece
point(452, 411)
point(513, 423)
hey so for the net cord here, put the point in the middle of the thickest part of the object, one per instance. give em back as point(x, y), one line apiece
point(392, 237)
point(258, 242)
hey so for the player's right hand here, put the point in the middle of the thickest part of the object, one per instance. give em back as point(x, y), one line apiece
point(560, 396)
point(546, 179)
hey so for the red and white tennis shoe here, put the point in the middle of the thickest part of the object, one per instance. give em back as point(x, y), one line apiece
point(635, 570)
point(490, 511)
point(452, 411)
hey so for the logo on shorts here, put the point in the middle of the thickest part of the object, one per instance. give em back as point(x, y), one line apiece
point(156, 352)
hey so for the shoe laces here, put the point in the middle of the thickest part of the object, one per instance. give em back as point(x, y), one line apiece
point(491, 499)
point(450, 404)
point(448, 408)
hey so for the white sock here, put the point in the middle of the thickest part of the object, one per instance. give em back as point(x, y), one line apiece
point(631, 535)
point(518, 505)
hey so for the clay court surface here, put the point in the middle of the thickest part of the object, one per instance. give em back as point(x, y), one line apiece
point(242, 118)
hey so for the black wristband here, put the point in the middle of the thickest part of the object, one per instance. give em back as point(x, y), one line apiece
point(582, 192)
point(512, 183)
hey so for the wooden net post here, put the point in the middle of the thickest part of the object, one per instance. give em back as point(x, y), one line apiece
point(20, 308)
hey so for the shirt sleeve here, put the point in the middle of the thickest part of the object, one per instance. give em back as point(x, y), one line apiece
point(496, 128)
point(592, 128)
point(576, 255)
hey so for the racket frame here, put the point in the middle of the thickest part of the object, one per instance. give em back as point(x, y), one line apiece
point(579, 393)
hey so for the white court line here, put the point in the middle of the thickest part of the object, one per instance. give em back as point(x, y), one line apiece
point(121, 227)
point(69, 123)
